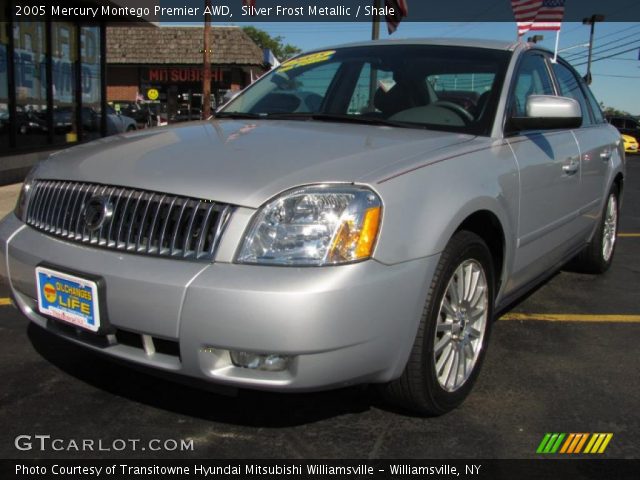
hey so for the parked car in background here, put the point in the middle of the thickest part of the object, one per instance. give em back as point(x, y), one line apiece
point(119, 123)
point(336, 223)
point(186, 113)
point(630, 144)
point(626, 125)
point(140, 112)
point(29, 121)
point(4, 120)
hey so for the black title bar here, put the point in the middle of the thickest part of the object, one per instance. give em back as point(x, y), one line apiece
point(233, 11)
point(301, 469)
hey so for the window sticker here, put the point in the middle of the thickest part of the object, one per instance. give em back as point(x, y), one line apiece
point(305, 60)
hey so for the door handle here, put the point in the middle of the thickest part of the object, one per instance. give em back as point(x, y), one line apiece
point(605, 155)
point(571, 167)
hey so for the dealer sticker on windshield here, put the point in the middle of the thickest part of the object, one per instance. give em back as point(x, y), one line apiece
point(68, 298)
point(305, 60)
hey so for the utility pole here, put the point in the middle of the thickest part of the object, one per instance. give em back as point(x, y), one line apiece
point(375, 27)
point(206, 63)
point(591, 21)
point(375, 35)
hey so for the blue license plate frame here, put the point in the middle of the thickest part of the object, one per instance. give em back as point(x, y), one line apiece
point(70, 298)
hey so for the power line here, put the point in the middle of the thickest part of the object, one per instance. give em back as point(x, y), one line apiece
point(626, 59)
point(615, 76)
point(599, 47)
point(609, 49)
point(607, 57)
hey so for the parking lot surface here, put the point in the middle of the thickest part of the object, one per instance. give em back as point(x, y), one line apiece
point(563, 360)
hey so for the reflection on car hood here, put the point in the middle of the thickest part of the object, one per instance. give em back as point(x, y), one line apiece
point(245, 162)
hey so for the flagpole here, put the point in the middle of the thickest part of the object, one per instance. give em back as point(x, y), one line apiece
point(555, 52)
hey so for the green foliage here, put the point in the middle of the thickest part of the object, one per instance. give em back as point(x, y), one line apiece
point(610, 111)
point(264, 40)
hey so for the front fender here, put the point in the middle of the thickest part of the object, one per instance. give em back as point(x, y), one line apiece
point(424, 207)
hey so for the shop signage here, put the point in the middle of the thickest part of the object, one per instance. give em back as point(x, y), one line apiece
point(180, 75)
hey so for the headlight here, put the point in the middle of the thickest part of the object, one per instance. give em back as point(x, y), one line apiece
point(316, 225)
point(23, 199)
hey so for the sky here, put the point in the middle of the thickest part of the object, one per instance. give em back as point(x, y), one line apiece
point(616, 80)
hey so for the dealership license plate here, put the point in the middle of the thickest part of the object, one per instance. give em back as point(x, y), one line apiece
point(68, 298)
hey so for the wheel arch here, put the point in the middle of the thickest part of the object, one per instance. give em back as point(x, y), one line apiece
point(487, 226)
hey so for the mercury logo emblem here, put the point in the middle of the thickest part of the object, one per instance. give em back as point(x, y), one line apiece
point(97, 211)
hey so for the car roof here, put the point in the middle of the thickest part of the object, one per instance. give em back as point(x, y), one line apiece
point(456, 42)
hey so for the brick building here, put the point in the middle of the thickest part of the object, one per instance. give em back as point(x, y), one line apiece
point(165, 63)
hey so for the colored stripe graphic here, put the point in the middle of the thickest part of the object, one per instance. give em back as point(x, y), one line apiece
point(573, 443)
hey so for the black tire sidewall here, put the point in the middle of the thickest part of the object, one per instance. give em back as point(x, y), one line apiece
point(465, 246)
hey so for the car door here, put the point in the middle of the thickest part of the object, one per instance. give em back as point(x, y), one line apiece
point(596, 142)
point(549, 170)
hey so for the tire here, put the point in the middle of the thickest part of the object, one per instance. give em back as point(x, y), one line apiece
point(130, 128)
point(445, 324)
point(598, 254)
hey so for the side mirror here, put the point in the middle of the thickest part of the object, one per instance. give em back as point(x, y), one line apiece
point(546, 112)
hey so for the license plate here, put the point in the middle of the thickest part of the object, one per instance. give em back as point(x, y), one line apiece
point(68, 298)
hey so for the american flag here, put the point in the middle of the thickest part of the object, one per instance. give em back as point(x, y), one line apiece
point(538, 14)
point(400, 9)
point(250, 3)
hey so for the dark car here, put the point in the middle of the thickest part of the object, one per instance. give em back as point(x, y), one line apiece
point(30, 122)
point(627, 125)
point(185, 113)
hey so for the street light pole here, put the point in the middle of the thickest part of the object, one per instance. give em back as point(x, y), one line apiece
point(591, 21)
point(373, 74)
point(206, 63)
point(375, 27)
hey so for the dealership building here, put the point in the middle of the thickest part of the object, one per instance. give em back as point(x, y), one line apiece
point(56, 77)
point(52, 84)
point(165, 64)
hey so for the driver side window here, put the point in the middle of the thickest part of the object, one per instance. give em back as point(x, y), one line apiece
point(532, 79)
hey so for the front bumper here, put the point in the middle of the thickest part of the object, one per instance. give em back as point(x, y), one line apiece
point(340, 325)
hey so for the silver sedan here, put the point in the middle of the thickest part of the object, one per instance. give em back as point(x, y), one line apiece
point(361, 214)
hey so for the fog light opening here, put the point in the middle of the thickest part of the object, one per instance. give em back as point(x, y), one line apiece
point(269, 362)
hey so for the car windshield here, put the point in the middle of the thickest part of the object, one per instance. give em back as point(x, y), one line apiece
point(417, 86)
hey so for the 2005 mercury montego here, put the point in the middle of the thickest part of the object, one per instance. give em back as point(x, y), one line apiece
point(358, 215)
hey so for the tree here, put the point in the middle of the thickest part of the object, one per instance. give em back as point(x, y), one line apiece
point(614, 112)
point(264, 40)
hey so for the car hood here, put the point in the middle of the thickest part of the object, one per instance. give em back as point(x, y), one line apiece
point(244, 162)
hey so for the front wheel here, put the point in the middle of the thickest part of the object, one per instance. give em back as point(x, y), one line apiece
point(453, 333)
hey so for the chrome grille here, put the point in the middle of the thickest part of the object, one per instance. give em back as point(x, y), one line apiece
point(141, 222)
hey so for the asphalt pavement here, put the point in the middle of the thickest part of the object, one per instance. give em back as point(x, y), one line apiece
point(574, 372)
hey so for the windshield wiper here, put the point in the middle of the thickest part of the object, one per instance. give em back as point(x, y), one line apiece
point(241, 115)
point(341, 117)
point(325, 117)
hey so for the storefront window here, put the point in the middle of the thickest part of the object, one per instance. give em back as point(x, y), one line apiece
point(4, 87)
point(64, 48)
point(30, 76)
point(91, 82)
